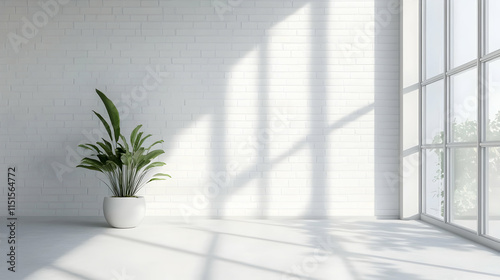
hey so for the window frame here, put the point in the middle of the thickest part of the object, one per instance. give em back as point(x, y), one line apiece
point(481, 143)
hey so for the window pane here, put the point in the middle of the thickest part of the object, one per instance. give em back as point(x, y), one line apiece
point(493, 187)
point(464, 106)
point(463, 187)
point(463, 31)
point(434, 176)
point(434, 38)
point(434, 113)
point(493, 100)
point(492, 24)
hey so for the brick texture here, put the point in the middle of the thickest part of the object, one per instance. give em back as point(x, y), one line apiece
point(267, 108)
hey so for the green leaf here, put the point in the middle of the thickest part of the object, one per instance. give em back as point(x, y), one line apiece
point(125, 164)
point(154, 164)
point(120, 150)
point(156, 179)
point(135, 145)
point(90, 147)
point(105, 123)
point(103, 158)
point(126, 159)
point(126, 148)
point(162, 174)
point(106, 149)
point(146, 159)
point(90, 167)
point(110, 147)
point(153, 154)
point(134, 134)
point(84, 146)
point(155, 143)
point(90, 162)
point(113, 114)
point(143, 139)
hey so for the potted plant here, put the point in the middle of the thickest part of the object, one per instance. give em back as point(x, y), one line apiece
point(126, 166)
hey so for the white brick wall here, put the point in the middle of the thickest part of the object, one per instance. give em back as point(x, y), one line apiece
point(269, 108)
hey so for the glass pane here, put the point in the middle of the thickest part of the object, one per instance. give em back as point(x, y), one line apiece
point(493, 100)
point(434, 113)
point(463, 187)
point(463, 31)
point(464, 106)
point(492, 23)
point(493, 187)
point(434, 38)
point(434, 177)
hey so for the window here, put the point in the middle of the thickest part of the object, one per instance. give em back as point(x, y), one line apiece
point(434, 182)
point(434, 38)
point(460, 133)
point(492, 108)
point(463, 31)
point(493, 190)
point(463, 187)
point(463, 107)
point(434, 113)
point(492, 38)
point(492, 149)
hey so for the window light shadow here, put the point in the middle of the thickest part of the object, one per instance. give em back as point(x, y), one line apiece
point(207, 256)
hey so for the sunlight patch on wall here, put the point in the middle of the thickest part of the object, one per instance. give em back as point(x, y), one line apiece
point(289, 91)
point(350, 94)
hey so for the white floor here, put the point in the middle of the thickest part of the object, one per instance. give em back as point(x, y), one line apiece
point(85, 248)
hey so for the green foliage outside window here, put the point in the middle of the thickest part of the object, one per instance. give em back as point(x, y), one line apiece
point(464, 196)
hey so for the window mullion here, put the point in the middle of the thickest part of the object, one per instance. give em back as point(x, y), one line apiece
point(481, 193)
point(446, 112)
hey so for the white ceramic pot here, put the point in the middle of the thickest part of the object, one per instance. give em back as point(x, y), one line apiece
point(124, 212)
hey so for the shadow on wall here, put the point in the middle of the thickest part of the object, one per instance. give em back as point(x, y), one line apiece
point(341, 144)
point(285, 93)
point(386, 107)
